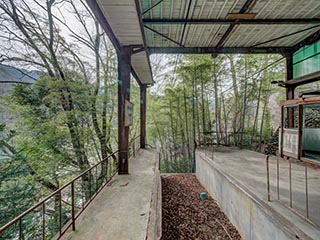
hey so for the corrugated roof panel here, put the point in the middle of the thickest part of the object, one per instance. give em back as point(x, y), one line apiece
point(250, 35)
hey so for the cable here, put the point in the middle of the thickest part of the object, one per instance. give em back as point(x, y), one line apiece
point(261, 70)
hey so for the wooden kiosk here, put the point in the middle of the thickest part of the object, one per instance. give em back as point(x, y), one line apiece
point(299, 136)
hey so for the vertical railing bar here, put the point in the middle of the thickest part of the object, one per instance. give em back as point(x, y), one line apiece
point(89, 183)
point(268, 177)
point(20, 228)
point(96, 175)
point(83, 194)
point(43, 221)
point(290, 184)
point(72, 207)
point(307, 193)
point(60, 213)
point(278, 180)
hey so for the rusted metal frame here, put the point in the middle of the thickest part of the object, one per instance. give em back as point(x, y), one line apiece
point(227, 34)
point(223, 50)
point(95, 8)
point(162, 35)
point(143, 113)
point(124, 70)
point(58, 191)
point(201, 21)
point(287, 35)
point(153, 6)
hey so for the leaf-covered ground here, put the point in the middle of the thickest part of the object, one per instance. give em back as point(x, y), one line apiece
point(186, 216)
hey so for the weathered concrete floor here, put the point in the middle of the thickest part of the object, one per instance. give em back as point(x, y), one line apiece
point(121, 210)
point(249, 169)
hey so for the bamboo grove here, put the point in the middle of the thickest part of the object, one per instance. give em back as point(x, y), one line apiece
point(205, 100)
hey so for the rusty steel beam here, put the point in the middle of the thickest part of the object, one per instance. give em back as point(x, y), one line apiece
point(143, 111)
point(161, 21)
point(227, 34)
point(224, 50)
point(124, 70)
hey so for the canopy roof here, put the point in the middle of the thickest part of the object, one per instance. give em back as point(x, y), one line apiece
point(207, 26)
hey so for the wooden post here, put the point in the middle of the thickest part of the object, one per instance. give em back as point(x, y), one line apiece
point(143, 107)
point(124, 70)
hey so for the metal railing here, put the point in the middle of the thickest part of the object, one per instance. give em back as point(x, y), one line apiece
point(56, 213)
point(134, 145)
point(302, 211)
point(231, 138)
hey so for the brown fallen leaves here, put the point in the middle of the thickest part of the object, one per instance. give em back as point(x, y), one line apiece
point(186, 216)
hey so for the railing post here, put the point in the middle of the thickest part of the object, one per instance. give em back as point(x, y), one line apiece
point(290, 184)
point(307, 193)
point(43, 220)
point(268, 177)
point(60, 213)
point(278, 180)
point(72, 207)
point(20, 228)
point(143, 112)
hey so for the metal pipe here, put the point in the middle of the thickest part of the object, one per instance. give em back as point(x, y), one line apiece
point(268, 177)
point(307, 193)
point(60, 213)
point(72, 207)
point(44, 220)
point(278, 180)
point(290, 184)
point(20, 228)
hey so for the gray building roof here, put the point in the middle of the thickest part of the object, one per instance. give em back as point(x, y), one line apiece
point(9, 74)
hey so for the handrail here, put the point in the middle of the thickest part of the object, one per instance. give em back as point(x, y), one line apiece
point(58, 192)
point(304, 215)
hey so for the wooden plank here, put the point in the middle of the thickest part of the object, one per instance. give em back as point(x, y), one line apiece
point(241, 15)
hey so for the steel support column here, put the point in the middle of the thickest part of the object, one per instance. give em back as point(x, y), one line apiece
point(143, 107)
point(289, 76)
point(290, 89)
point(124, 69)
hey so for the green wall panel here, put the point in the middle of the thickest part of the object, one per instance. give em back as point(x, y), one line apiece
point(306, 60)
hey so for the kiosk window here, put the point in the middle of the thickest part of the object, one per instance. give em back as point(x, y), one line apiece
point(291, 117)
point(311, 116)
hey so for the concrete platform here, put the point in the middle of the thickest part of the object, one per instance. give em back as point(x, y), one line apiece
point(121, 210)
point(237, 180)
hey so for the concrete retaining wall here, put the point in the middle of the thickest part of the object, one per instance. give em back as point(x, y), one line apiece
point(253, 218)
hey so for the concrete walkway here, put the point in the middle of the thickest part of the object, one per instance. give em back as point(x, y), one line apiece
point(121, 210)
point(249, 169)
